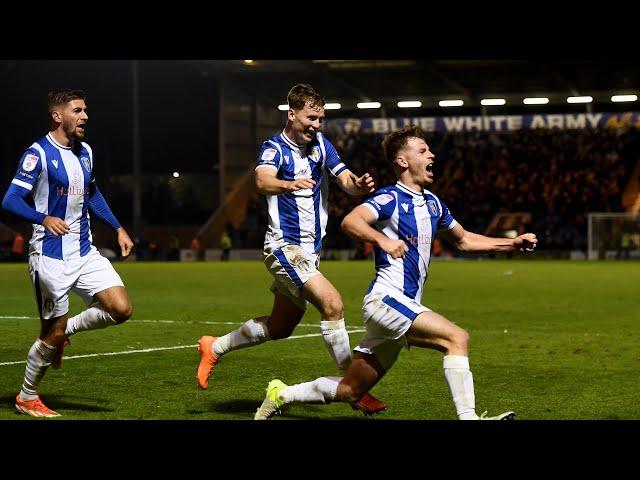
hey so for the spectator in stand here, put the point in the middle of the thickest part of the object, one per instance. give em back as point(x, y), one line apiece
point(17, 248)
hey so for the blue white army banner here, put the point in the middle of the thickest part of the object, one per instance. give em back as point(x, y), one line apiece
point(488, 123)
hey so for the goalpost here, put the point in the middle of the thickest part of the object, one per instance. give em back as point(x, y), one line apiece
point(613, 236)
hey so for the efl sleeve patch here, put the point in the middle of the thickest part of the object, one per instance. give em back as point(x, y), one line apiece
point(383, 199)
point(29, 163)
point(268, 155)
point(384, 204)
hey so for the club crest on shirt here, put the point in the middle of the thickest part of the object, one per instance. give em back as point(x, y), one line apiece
point(405, 207)
point(29, 163)
point(85, 162)
point(315, 153)
point(55, 163)
point(432, 207)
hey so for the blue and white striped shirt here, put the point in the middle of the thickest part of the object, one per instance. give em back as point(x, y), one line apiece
point(59, 179)
point(403, 214)
point(299, 218)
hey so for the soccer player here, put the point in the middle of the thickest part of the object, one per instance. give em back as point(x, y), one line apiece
point(292, 174)
point(406, 217)
point(54, 189)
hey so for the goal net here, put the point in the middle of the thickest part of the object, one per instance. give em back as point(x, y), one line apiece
point(614, 236)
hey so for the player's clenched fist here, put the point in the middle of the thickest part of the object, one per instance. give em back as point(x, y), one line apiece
point(55, 225)
point(525, 242)
point(395, 248)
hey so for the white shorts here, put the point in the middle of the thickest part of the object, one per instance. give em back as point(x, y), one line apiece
point(291, 266)
point(53, 278)
point(387, 317)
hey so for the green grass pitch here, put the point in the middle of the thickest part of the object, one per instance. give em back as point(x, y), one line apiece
point(549, 339)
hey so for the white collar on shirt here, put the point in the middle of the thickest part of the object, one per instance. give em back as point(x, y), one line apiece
point(56, 144)
point(409, 190)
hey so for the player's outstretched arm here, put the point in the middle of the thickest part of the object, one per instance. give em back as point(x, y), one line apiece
point(466, 241)
point(269, 184)
point(354, 185)
point(358, 226)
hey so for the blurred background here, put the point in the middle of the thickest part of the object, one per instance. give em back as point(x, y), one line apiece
point(550, 147)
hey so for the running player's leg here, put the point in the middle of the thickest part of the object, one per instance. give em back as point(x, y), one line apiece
point(285, 315)
point(291, 267)
point(102, 290)
point(41, 354)
point(323, 295)
point(363, 373)
point(432, 330)
point(116, 303)
point(50, 287)
point(298, 277)
point(375, 354)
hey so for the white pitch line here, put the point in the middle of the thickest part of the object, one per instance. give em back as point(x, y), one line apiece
point(147, 350)
point(207, 322)
point(197, 322)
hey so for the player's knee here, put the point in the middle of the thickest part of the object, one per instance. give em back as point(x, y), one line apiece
point(121, 312)
point(332, 308)
point(460, 339)
point(56, 335)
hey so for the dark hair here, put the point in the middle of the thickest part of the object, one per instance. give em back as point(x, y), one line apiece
point(303, 93)
point(396, 141)
point(60, 97)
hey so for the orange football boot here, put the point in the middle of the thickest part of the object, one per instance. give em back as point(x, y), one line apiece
point(34, 407)
point(369, 405)
point(208, 361)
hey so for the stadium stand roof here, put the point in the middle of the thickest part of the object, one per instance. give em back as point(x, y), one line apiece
point(388, 81)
